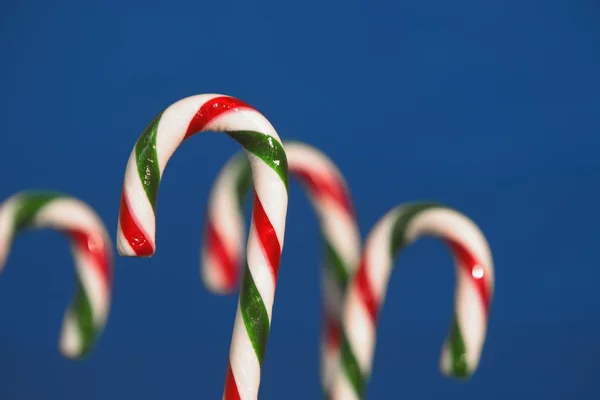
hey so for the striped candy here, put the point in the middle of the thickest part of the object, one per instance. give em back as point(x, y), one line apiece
point(218, 113)
point(475, 284)
point(87, 314)
point(222, 246)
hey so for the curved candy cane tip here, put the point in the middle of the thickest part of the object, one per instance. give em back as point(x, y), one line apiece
point(474, 269)
point(159, 141)
point(70, 341)
point(136, 229)
point(91, 250)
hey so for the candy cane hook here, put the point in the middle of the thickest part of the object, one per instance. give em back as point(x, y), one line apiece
point(87, 314)
point(475, 284)
point(328, 192)
point(136, 231)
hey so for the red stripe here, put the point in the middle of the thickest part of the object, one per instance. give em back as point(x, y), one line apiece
point(332, 332)
point(470, 265)
point(227, 263)
point(321, 186)
point(132, 232)
point(231, 390)
point(97, 249)
point(266, 235)
point(365, 291)
point(212, 109)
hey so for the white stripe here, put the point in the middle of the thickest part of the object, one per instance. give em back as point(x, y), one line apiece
point(212, 274)
point(224, 208)
point(303, 156)
point(329, 360)
point(446, 358)
point(342, 389)
point(472, 318)
point(359, 330)
point(379, 261)
point(94, 285)
point(244, 363)
point(174, 123)
point(69, 213)
point(341, 230)
point(7, 215)
point(70, 343)
point(243, 119)
point(261, 271)
point(228, 220)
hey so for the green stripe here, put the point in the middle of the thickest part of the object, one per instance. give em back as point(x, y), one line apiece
point(82, 310)
point(244, 178)
point(29, 205)
point(405, 215)
point(265, 147)
point(147, 161)
point(458, 351)
point(351, 367)
point(254, 313)
point(334, 263)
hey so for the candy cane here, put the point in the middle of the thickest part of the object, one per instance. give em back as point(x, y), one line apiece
point(87, 314)
point(218, 113)
point(475, 284)
point(328, 192)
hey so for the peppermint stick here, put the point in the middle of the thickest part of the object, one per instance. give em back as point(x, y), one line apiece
point(218, 113)
point(328, 192)
point(86, 316)
point(475, 284)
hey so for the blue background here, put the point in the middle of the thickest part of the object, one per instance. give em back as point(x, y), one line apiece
point(490, 107)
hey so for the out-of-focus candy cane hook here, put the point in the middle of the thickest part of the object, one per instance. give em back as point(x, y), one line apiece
point(475, 285)
point(92, 251)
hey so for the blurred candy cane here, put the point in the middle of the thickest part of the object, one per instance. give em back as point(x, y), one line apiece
point(218, 113)
point(87, 314)
point(222, 247)
point(475, 284)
